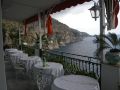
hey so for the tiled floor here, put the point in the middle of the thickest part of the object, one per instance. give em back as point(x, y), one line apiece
point(19, 83)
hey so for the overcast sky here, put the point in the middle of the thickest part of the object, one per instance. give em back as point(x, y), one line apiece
point(79, 18)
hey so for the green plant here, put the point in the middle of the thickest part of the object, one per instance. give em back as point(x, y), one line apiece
point(110, 41)
point(28, 49)
point(45, 41)
point(14, 36)
point(10, 33)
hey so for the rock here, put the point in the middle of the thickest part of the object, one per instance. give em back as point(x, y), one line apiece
point(65, 35)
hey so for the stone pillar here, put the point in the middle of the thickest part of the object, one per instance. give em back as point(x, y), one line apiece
point(3, 85)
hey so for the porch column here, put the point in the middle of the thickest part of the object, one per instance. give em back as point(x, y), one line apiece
point(102, 25)
point(102, 32)
point(42, 30)
point(3, 85)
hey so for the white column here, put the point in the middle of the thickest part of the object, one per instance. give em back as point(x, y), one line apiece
point(38, 52)
point(106, 80)
point(3, 85)
point(40, 33)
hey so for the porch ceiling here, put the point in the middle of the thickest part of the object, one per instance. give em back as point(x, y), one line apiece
point(21, 9)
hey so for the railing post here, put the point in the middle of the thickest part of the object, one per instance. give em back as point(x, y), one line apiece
point(89, 63)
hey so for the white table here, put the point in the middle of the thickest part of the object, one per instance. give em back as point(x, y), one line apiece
point(15, 57)
point(10, 52)
point(29, 61)
point(75, 82)
point(11, 49)
point(56, 69)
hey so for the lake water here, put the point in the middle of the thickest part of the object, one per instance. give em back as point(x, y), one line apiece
point(85, 47)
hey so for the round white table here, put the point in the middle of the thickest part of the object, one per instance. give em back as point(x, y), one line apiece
point(75, 82)
point(11, 49)
point(56, 69)
point(9, 53)
point(15, 58)
point(29, 61)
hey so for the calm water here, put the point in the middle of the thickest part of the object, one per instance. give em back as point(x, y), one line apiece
point(85, 47)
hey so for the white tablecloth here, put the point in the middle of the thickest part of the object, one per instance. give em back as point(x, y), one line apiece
point(11, 49)
point(56, 69)
point(29, 61)
point(15, 58)
point(10, 52)
point(75, 82)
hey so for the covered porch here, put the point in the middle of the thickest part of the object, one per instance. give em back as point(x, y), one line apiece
point(38, 10)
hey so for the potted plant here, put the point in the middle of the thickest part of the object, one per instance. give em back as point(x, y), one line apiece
point(111, 42)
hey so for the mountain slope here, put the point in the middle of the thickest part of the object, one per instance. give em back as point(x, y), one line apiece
point(67, 34)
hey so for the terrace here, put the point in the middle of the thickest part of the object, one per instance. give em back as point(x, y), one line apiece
point(22, 75)
point(73, 64)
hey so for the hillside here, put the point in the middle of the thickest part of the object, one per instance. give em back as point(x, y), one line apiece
point(67, 34)
point(62, 34)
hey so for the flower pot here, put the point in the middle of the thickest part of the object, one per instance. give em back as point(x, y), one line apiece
point(112, 57)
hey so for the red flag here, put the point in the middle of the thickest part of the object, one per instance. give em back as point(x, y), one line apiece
point(49, 25)
point(115, 13)
point(112, 9)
